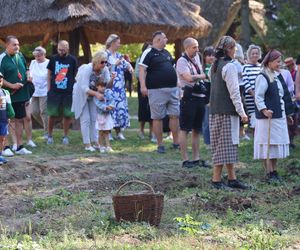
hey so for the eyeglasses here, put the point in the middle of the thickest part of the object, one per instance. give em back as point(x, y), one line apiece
point(102, 62)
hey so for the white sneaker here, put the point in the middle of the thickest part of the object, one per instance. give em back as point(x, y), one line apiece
point(90, 148)
point(7, 152)
point(30, 143)
point(246, 138)
point(120, 136)
point(109, 149)
point(153, 139)
point(23, 151)
point(102, 150)
point(14, 147)
point(111, 137)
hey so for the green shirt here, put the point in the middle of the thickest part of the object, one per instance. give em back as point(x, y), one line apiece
point(9, 67)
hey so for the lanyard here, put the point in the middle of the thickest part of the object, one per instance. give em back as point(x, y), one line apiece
point(16, 63)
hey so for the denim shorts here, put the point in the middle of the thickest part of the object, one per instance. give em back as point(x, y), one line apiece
point(3, 128)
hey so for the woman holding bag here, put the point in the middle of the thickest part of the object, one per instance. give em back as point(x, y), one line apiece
point(272, 100)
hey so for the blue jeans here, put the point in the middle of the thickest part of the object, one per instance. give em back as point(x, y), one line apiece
point(205, 126)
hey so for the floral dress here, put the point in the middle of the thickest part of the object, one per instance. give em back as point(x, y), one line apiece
point(120, 114)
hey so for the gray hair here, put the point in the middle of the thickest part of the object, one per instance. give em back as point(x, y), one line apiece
point(252, 47)
point(188, 42)
point(99, 56)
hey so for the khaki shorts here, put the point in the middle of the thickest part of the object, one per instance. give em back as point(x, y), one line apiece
point(164, 101)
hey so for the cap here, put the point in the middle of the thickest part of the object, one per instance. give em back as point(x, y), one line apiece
point(39, 50)
point(289, 61)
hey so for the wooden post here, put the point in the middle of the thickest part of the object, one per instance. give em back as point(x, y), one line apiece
point(87, 54)
point(46, 39)
point(178, 48)
point(74, 38)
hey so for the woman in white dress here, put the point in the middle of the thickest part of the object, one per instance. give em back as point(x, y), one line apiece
point(271, 99)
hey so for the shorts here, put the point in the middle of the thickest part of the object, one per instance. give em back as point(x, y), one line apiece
point(59, 104)
point(3, 128)
point(192, 112)
point(19, 108)
point(163, 101)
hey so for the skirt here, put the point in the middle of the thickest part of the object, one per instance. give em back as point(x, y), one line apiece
point(104, 122)
point(221, 141)
point(279, 139)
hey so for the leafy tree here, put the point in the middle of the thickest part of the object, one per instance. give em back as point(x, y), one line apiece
point(284, 33)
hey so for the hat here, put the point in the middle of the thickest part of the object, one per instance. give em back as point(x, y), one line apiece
point(1, 76)
point(289, 61)
point(39, 50)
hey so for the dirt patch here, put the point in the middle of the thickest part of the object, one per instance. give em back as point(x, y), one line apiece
point(23, 180)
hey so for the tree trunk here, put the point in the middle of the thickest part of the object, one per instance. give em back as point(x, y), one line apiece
point(245, 25)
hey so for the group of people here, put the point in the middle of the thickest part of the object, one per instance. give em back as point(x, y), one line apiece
point(213, 94)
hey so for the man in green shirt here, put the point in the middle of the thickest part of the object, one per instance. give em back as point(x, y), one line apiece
point(13, 68)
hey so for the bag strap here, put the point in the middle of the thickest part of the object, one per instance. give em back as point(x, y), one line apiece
point(195, 65)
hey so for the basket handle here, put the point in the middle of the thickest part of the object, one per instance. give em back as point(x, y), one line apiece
point(135, 181)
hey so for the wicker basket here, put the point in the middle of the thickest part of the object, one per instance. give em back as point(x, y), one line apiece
point(143, 206)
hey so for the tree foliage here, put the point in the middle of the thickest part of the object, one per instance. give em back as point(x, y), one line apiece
point(284, 33)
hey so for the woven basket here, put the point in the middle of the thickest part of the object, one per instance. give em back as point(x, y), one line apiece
point(146, 206)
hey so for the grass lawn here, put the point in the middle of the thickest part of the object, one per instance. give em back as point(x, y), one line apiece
point(60, 198)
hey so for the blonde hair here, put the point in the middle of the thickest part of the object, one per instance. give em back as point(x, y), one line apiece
point(252, 47)
point(99, 56)
point(111, 38)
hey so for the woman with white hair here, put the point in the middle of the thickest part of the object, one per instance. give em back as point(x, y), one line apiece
point(38, 75)
point(118, 64)
point(250, 71)
point(84, 89)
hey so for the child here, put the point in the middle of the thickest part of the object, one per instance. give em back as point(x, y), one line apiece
point(4, 104)
point(104, 120)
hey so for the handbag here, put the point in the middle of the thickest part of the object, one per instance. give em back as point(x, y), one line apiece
point(30, 88)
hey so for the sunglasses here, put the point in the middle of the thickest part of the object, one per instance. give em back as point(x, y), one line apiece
point(102, 62)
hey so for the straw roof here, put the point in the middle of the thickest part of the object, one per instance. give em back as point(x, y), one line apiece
point(222, 14)
point(133, 20)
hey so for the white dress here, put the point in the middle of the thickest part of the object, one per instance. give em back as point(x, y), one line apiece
point(279, 137)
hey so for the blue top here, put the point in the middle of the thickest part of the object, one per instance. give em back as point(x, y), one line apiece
point(108, 101)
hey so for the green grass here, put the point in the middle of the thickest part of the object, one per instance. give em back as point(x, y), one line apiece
point(194, 216)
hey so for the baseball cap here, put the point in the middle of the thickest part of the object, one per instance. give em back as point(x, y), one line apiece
point(289, 61)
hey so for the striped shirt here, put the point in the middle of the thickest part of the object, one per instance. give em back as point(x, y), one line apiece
point(250, 72)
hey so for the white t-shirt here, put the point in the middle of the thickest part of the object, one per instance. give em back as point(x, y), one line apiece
point(39, 72)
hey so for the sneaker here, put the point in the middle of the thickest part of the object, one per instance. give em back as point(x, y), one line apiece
point(50, 140)
point(236, 184)
point(2, 160)
point(102, 149)
point(65, 140)
point(141, 135)
point(14, 147)
point(201, 163)
point(45, 136)
point(96, 146)
point(111, 137)
point(187, 164)
point(245, 138)
point(219, 185)
point(109, 149)
point(175, 146)
point(7, 152)
point(161, 149)
point(120, 136)
point(90, 149)
point(153, 139)
point(23, 151)
point(30, 143)
point(273, 177)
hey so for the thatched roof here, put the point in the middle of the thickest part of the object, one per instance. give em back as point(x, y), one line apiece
point(222, 14)
point(133, 20)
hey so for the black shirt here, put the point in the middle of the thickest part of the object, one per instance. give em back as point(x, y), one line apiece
point(160, 70)
point(63, 72)
point(298, 60)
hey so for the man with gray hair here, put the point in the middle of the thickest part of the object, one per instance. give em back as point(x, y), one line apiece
point(62, 69)
point(158, 80)
point(192, 104)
